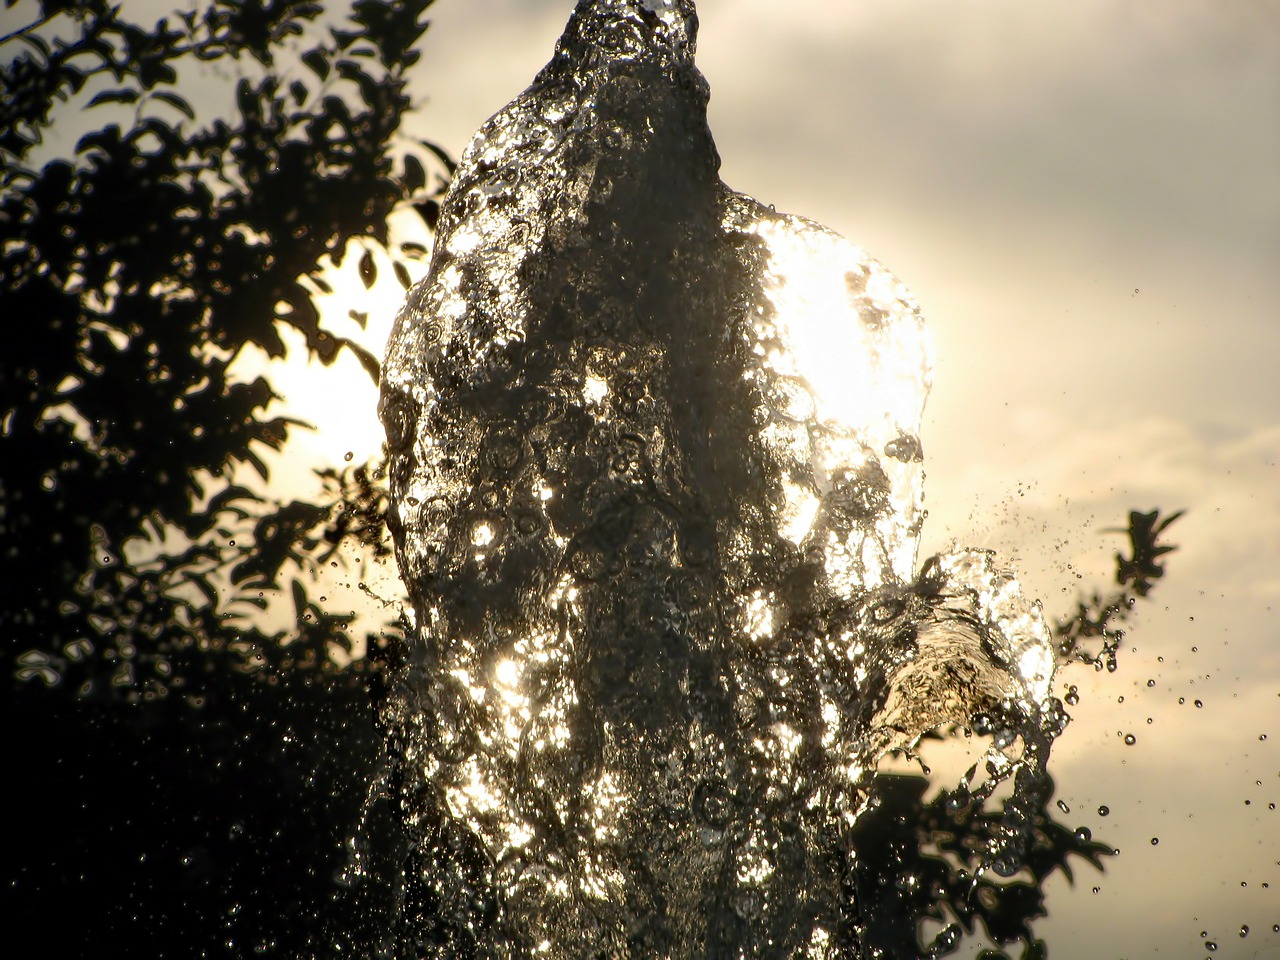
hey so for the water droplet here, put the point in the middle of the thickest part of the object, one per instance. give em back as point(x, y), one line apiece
point(348, 456)
point(1151, 683)
point(1084, 834)
point(1155, 841)
point(1104, 810)
point(1199, 703)
point(1211, 945)
point(1130, 739)
point(1244, 930)
point(1063, 807)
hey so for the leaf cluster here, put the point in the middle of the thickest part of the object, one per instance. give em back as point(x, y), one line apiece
point(923, 861)
point(1093, 632)
point(135, 272)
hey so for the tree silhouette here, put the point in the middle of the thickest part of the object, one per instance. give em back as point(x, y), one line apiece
point(190, 772)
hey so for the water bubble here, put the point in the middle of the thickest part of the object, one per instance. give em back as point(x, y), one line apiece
point(1063, 807)
point(1130, 740)
point(1104, 810)
point(1084, 834)
point(348, 456)
point(1244, 930)
point(1211, 945)
point(1199, 704)
point(401, 420)
point(1151, 683)
point(1155, 841)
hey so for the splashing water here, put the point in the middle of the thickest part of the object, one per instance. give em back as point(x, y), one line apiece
point(657, 499)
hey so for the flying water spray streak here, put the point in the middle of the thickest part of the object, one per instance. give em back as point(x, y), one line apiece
point(656, 486)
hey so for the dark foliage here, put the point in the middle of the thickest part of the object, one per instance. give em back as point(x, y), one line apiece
point(1096, 620)
point(142, 267)
point(189, 774)
point(923, 861)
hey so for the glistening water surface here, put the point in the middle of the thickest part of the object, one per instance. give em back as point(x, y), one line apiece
point(657, 496)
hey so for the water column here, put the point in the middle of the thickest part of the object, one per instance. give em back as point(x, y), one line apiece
point(656, 484)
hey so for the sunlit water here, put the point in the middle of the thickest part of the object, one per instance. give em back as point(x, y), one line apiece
point(657, 499)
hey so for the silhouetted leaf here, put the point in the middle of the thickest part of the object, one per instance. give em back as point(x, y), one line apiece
point(402, 274)
point(175, 101)
point(317, 62)
point(415, 175)
point(115, 96)
point(441, 155)
point(368, 270)
point(429, 210)
point(367, 359)
point(1142, 568)
point(360, 317)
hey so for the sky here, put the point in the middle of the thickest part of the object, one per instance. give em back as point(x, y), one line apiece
point(1084, 198)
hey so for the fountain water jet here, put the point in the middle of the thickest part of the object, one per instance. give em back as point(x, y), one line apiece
point(656, 485)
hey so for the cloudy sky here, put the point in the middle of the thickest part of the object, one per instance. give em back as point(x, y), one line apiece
point(1084, 198)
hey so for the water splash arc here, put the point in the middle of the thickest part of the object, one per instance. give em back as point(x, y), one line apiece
point(656, 486)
